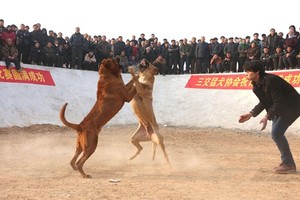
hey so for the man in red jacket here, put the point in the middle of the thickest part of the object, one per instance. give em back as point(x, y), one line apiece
point(282, 103)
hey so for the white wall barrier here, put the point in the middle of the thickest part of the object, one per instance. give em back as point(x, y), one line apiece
point(174, 105)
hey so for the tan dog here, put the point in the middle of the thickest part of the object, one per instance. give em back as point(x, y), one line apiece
point(148, 129)
point(111, 96)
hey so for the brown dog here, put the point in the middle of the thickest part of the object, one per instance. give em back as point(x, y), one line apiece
point(111, 95)
point(148, 129)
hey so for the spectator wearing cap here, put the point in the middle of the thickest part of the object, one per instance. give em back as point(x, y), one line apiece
point(164, 49)
point(232, 48)
point(193, 43)
point(242, 50)
point(14, 28)
point(185, 51)
point(215, 48)
point(173, 57)
point(128, 49)
point(23, 44)
point(281, 40)
point(155, 49)
point(262, 42)
point(202, 56)
point(223, 43)
point(51, 37)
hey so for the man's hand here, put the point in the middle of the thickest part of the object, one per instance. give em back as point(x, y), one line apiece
point(264, 121)
point(245, 117)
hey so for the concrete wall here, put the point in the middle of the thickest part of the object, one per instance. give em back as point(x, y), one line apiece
point(175, 105)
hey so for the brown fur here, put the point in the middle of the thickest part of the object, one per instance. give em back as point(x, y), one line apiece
point(111, 95)
point(148, 129)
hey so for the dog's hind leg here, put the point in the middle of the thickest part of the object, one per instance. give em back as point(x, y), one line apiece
point(77, 153)
point(73, 161)
point(139, 135)
point(162, 145)
point(154, 145)
point(88, 151)
point(158, 139)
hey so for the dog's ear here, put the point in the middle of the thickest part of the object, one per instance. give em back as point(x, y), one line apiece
point(104, 62)
point(117, 59)
point(107, 63)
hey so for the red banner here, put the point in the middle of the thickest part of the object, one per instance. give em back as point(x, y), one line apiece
point(236, 81)
point(26, 75)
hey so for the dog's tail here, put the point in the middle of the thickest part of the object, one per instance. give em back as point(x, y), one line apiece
point(64, 121)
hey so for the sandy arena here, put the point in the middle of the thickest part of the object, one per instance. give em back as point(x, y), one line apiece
point(207, 164)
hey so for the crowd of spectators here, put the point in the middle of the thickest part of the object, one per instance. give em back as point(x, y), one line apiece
point(82, 51)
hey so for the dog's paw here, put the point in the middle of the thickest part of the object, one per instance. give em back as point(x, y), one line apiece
point(87, 176)
point(131, 70)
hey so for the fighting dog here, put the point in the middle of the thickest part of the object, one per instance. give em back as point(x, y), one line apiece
point(148, 129)
point(112, 93)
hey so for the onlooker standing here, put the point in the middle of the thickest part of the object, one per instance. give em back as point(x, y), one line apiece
point(193, 43)
point(23, 44)
point(36, 36)
point(103, 49)
point(58, 54)
point(185, 51)
point(232, 48)
point(202, 56)
point(242, 50)
point(272, 41)
point(120, 45)
point(76, 44)
point(2, 27)
point(173, 50)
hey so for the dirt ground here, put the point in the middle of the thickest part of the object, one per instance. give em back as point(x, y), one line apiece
point(208, 163)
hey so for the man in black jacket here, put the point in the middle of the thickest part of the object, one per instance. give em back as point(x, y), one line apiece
point(282, 103)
